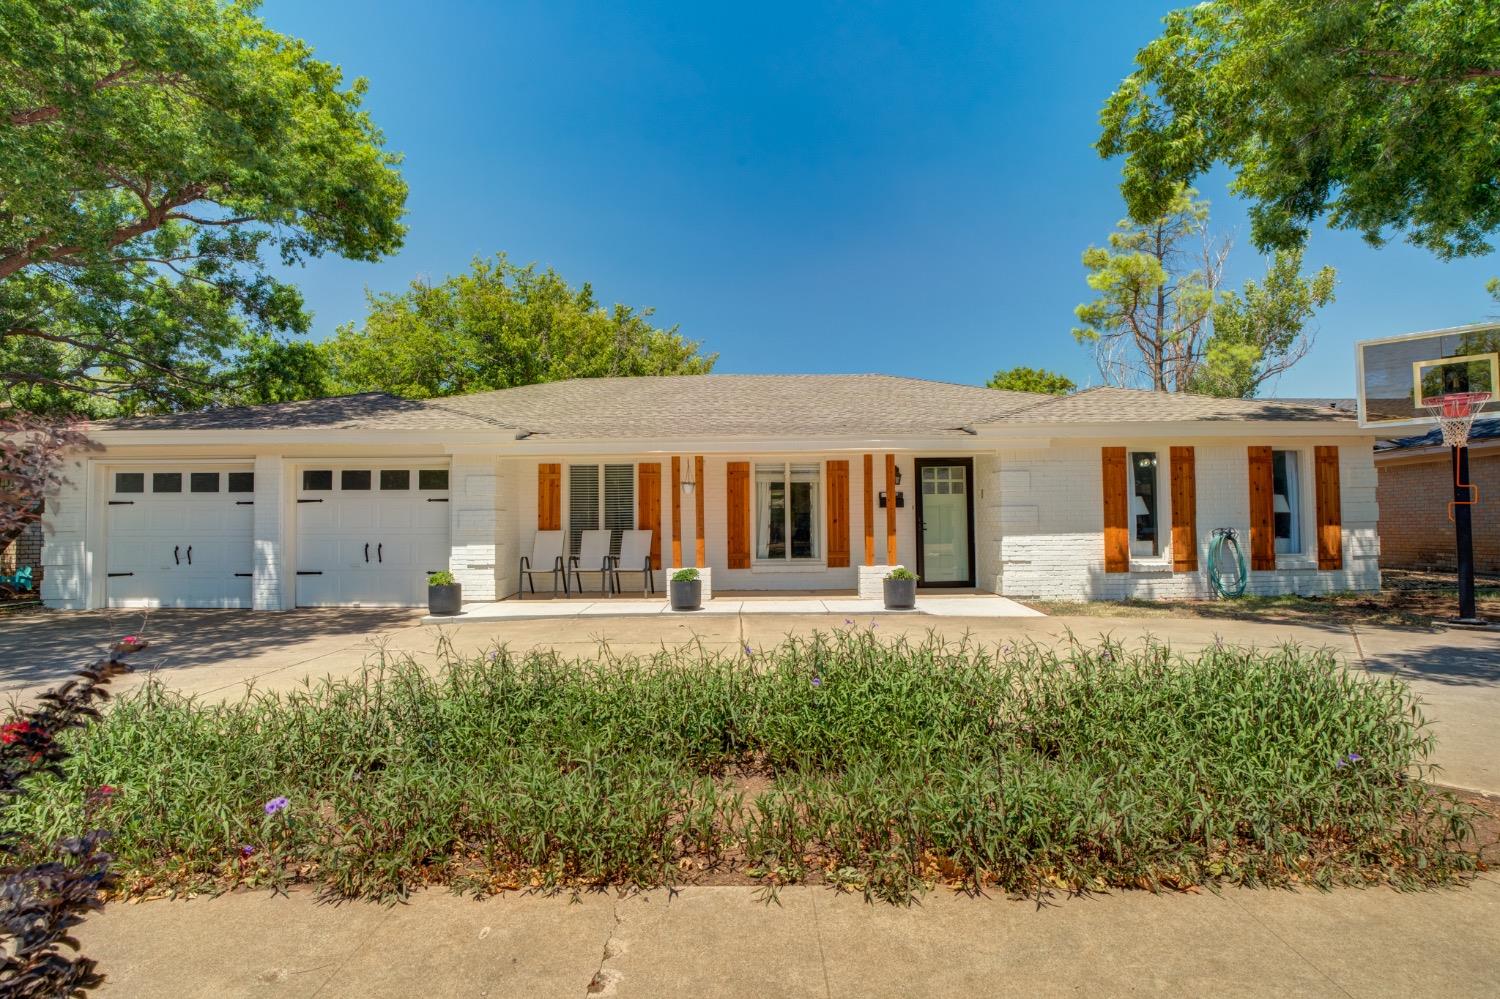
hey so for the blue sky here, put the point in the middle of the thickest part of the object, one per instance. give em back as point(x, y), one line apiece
point(807, 186)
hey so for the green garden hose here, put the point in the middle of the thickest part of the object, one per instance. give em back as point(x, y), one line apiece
point(1224, 588)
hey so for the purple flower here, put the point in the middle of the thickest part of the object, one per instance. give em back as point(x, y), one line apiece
point(817, 681)
point(748, 650)
point(848, 620)
point(1348, 761)
point(246, 850)
point(276, 805)
point(1355, 758)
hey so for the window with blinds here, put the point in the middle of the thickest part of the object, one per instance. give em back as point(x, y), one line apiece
point(588, 510)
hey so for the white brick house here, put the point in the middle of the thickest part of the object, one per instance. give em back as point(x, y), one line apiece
point(779, 481)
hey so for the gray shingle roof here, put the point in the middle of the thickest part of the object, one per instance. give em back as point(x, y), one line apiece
point(1121, 405)
point(734, 406)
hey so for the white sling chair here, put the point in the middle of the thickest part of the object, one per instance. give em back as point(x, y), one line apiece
point(593, 556)
point(635, 556)
point(546, 559)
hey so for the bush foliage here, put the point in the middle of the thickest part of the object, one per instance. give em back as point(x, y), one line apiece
point(882, 767)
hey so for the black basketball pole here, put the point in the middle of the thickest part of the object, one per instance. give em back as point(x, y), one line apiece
point(1463, 534)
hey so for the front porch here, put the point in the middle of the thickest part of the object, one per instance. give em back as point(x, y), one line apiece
point(737, 602)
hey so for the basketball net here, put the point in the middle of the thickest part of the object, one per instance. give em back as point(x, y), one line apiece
point(1455, 412)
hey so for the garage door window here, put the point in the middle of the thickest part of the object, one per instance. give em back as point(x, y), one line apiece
point(395, 478)
point(166, 482)
point(432, 478)
point(130, 482)
point(203, 482)
point(240, 482)
point(354, 479)
point(317, 479)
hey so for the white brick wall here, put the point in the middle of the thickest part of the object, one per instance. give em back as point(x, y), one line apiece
point(1052, 513)
point(65, 582)
point(268, 588)
point(474, 488)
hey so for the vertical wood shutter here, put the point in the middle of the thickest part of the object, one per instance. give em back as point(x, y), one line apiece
point(699, 558)
point(838, 514)
point(1184, 510)
point(648, 505)
point(869, 509)
point(549, 497)
point(890, 509)
point(676, 511)
point(1116, 511)
point(1262, 511)
point(738, 514)
point(1330, 517)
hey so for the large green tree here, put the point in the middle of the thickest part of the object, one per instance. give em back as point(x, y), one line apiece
point(1379, 116)
point(154, 156)
point(1024, 379)
point(1162, 319)
point(499, 326)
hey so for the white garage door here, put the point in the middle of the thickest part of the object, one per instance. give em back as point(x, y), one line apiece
point(179, 536)
point(368, 536)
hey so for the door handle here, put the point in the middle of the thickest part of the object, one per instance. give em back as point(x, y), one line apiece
point(176, 560)
point(378, 550)
point(367, 551)
point(190, 554)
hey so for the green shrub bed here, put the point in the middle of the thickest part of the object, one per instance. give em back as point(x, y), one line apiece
point(881, 767)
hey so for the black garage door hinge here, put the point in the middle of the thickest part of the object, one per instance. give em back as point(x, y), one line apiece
point(309, 501)
point(435, 499)
point(244, 502)
point(244, 574)
point(112, 575)
point(122, 502)
point(306, 572)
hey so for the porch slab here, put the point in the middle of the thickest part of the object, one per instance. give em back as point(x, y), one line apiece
point(970, 605)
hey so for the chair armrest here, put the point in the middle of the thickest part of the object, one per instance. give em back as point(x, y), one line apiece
point(525, 563)
point(557, 565)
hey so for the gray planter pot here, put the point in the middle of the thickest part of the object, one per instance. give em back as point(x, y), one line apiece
point(686, 594)
point(900, 594)
point(445, 599)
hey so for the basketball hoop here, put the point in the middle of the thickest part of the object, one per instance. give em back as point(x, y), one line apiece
point(1455, 412)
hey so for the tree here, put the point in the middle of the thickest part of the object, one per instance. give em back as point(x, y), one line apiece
point(1377, 116)
point(152, 153)
point(1262, 331)
point(1156, 286)
point(1023, 379)
point(498, 326)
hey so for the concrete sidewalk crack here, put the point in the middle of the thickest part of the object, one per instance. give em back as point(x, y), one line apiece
point(353, 953)
point(1287, 944)
point(605, 979)
point(818, 936)
point(1359, 648)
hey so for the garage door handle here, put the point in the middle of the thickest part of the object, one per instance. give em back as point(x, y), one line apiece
point(175, 559)
point(378, 550)
point(112, 575)
point(309, 572)
point(309, 501)
point(122, 502)
point(244, 574)
point(190, 554)
point(367, 551)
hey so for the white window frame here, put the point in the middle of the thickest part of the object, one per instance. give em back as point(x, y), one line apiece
point(819, 558)
point(601, 523)
point(1301, 506)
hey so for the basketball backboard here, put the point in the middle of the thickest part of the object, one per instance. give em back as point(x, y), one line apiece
point(1402, 378)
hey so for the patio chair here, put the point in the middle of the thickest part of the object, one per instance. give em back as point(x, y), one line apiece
point(546, 558)
point(593, 556)
point(635, 556)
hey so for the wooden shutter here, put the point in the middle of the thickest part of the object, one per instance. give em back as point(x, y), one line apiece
point(1184, 510)
point(549, 497)
point(838, 514)
point(738, 514)
point(1262, 511)
point(869, 509)
point(1116, 512)
point(648, 505)
point(1330, 518)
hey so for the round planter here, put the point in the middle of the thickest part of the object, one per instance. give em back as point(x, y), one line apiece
point(900, 594)
point(445, 599)
point(686, 594)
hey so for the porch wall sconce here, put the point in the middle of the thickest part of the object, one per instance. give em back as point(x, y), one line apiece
point(688, 485)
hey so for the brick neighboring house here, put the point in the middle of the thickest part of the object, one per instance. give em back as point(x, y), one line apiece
point(26, 549)
point(1415, 486)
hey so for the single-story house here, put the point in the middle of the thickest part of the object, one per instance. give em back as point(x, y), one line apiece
point(768, 482)
point(1415, 485)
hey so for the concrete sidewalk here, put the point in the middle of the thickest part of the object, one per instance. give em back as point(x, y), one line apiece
point(723, 942)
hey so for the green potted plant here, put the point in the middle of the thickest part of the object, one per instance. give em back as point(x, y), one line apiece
point(445, 595)
point(686, 590)
point(900, 589)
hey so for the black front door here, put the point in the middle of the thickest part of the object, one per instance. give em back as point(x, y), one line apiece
point(945, 521)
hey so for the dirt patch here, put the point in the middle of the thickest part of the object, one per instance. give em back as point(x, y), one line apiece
point(1486, 827)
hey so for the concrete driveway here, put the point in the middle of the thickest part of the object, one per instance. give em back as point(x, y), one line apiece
point(217, 654)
